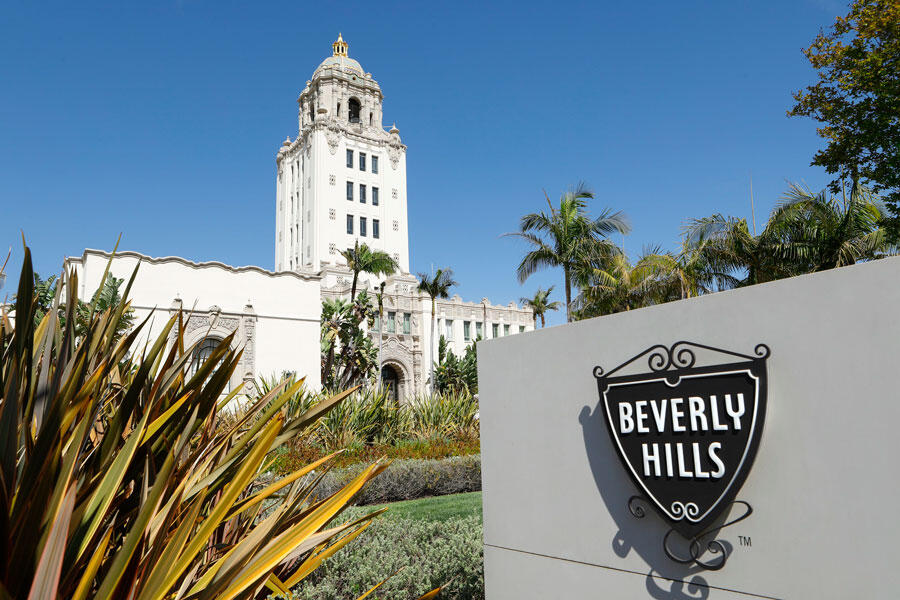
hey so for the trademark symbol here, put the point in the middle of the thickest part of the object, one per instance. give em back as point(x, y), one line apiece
point(744, 540)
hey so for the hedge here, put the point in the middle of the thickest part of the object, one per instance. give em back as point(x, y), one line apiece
point(430, 553)
point(410, 479)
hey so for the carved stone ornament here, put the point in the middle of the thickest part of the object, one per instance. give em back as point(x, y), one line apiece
point(333, 135)
point(394, 155)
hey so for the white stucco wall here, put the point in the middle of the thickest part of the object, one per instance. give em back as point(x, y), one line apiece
point(276, 315)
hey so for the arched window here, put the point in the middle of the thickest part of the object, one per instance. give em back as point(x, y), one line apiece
point(201, 355)
point(339, 109)
point(353, 108)
point(370, 119)
point(312, 111)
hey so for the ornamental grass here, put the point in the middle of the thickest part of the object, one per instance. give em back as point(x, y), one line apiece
point(118, 479)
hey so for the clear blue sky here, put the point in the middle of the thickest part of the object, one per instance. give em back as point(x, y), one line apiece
point(160, 120)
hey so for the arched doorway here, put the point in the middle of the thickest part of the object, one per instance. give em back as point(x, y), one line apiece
point(390, 380)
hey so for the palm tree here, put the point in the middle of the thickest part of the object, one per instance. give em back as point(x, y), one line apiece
point(806, 232)
point(540, 304)
point(830, 233)
point(570, 236)
point(436, 286)
point(362, 259)
point(615, 285)
point(740, 257)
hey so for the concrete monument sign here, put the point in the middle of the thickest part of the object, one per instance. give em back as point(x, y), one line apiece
point(736, 445)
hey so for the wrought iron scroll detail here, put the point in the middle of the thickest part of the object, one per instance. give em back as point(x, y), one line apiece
point(680, 355)
point(699, 545)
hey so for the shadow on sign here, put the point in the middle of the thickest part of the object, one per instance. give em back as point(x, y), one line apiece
point(635, 535)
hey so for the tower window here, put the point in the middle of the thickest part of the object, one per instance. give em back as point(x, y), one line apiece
point(353, 108)
point(349, 190)
point(350, 224)
point(350, 158)
point(374, 196)
point(374, 164)
point(362, 193)
point(376, 229)
point(407, 317)
point(312, 111)
point(370, 119)
point(339, 109)
point(362, 226)
point(362, 161)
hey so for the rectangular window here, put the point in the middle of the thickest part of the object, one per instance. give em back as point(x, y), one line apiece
point(392, 322)
point(377, 323)
point(350, 158)
point(448, 324)
point(495, 331)
point(362, 226)
point(349, 190)
point(479, 330)
point(406, 322)
point(521, 329)
point(506, 330)
point(350, 224)
point(467, 330)
point(362, 193)
point(376, 229)
point(374, 164)
point(362, 161)
point(374, 196)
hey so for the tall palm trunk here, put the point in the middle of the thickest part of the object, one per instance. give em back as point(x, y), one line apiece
point(543, 323)
point(353, 287)
point(380, 340)
point(431, 349)
point(568, 294)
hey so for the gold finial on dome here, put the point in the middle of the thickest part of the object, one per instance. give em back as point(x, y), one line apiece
point(340, 46)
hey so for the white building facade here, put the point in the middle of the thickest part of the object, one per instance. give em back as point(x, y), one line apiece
point(340, 181)
point(343, 177)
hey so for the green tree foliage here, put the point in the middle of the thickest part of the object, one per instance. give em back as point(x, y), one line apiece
point(453, 374)
point(857, 100)
point(436, 286)
point(567, 237)
point(806, 232)
point(540, 304)
point(362, 259)
point(349, 356)
point(106, 297)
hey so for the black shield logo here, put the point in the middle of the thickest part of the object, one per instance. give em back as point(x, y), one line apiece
point(687, 434)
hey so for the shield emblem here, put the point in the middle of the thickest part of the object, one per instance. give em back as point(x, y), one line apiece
point(686, 434)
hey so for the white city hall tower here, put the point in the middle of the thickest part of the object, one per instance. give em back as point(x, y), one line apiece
point(343, 178)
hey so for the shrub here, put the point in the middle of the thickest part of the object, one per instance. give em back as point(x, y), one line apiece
point(428, 552)
point(289, 458)
point(115, 480)
point(411, 479)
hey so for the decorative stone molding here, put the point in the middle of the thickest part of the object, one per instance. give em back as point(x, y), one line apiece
point(333, 135)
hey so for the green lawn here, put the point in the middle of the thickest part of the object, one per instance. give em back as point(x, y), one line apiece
point(435, 508)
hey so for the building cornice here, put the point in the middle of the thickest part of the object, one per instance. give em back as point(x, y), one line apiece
point(194, 265)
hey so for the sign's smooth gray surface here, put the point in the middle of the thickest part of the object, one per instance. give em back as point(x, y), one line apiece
point(823, 487)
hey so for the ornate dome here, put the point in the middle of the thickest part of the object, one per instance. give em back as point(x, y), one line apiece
point(340, 58)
